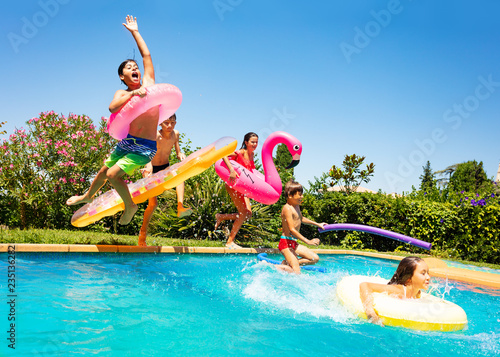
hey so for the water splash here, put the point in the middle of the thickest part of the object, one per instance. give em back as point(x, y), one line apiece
point(304, 296)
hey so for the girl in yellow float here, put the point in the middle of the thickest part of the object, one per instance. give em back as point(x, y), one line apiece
point(411, 276)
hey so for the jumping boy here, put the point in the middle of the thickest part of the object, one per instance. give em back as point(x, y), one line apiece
point(139, 147)
point(168, 138)
point(291, 218)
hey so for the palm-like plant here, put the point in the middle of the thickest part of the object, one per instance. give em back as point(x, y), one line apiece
point(206, 195)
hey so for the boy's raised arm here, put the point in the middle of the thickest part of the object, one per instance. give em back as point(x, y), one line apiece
point(149, 72)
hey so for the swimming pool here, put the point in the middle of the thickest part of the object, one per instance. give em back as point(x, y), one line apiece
point(217, 305)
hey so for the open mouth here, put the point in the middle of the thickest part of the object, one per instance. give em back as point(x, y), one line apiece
point(135, 75)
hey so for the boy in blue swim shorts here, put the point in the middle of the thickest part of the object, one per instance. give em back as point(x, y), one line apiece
point(139, 147)
point(291, 219)
point(132, 153)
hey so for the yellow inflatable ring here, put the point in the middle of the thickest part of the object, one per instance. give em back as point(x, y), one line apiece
point(110, 202)
point(426, 313)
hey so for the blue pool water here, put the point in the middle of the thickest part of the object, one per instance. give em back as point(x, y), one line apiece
point(217, 305)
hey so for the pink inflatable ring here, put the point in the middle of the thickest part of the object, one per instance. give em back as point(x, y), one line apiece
point(167, 96)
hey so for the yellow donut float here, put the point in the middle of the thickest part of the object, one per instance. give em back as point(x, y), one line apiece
point(110, 202)
point(426, 313)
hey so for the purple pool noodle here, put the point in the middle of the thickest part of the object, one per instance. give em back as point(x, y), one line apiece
point(377, 231)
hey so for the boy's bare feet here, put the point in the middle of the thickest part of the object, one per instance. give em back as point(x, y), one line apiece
point(233, 245)
point(74, 200)
point(142, 239)
point(127, 215)
point(183, 211)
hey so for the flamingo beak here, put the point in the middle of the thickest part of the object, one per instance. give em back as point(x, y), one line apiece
point(295, 162)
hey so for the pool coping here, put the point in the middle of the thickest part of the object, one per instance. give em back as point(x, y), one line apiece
point(437, 267)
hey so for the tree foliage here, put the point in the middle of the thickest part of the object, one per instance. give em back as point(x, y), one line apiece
point(446, 173)
point(470, 176)
point(427, 179)
point(351, 176)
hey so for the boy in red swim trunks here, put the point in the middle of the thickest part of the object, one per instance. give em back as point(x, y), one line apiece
point(291, 218)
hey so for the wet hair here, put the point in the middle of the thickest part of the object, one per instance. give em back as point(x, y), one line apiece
point(122, 66)
point(172, 117)
point(247, 137)
point(292, 187)
point(405, 271)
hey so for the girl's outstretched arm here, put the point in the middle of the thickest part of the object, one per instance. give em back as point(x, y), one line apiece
point(366, 291)
point(149, 72)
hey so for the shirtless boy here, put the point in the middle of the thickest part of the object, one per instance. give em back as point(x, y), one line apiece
point(140, 145)
point(167, 139)
point(291, 219)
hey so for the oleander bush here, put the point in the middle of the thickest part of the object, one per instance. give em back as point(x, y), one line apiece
point(42, 166)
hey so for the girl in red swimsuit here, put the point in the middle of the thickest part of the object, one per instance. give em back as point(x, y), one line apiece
point(244, 157)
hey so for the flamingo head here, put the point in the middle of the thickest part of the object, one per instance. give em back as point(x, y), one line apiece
point(295, 148)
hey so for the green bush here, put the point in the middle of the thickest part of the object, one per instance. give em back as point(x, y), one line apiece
point(462, 229)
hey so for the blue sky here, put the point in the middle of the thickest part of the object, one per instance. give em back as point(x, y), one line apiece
point(400, 82)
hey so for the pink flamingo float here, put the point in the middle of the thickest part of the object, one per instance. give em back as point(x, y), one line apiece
point(265, 188)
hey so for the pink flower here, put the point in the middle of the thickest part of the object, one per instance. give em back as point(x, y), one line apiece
point(11, 166)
